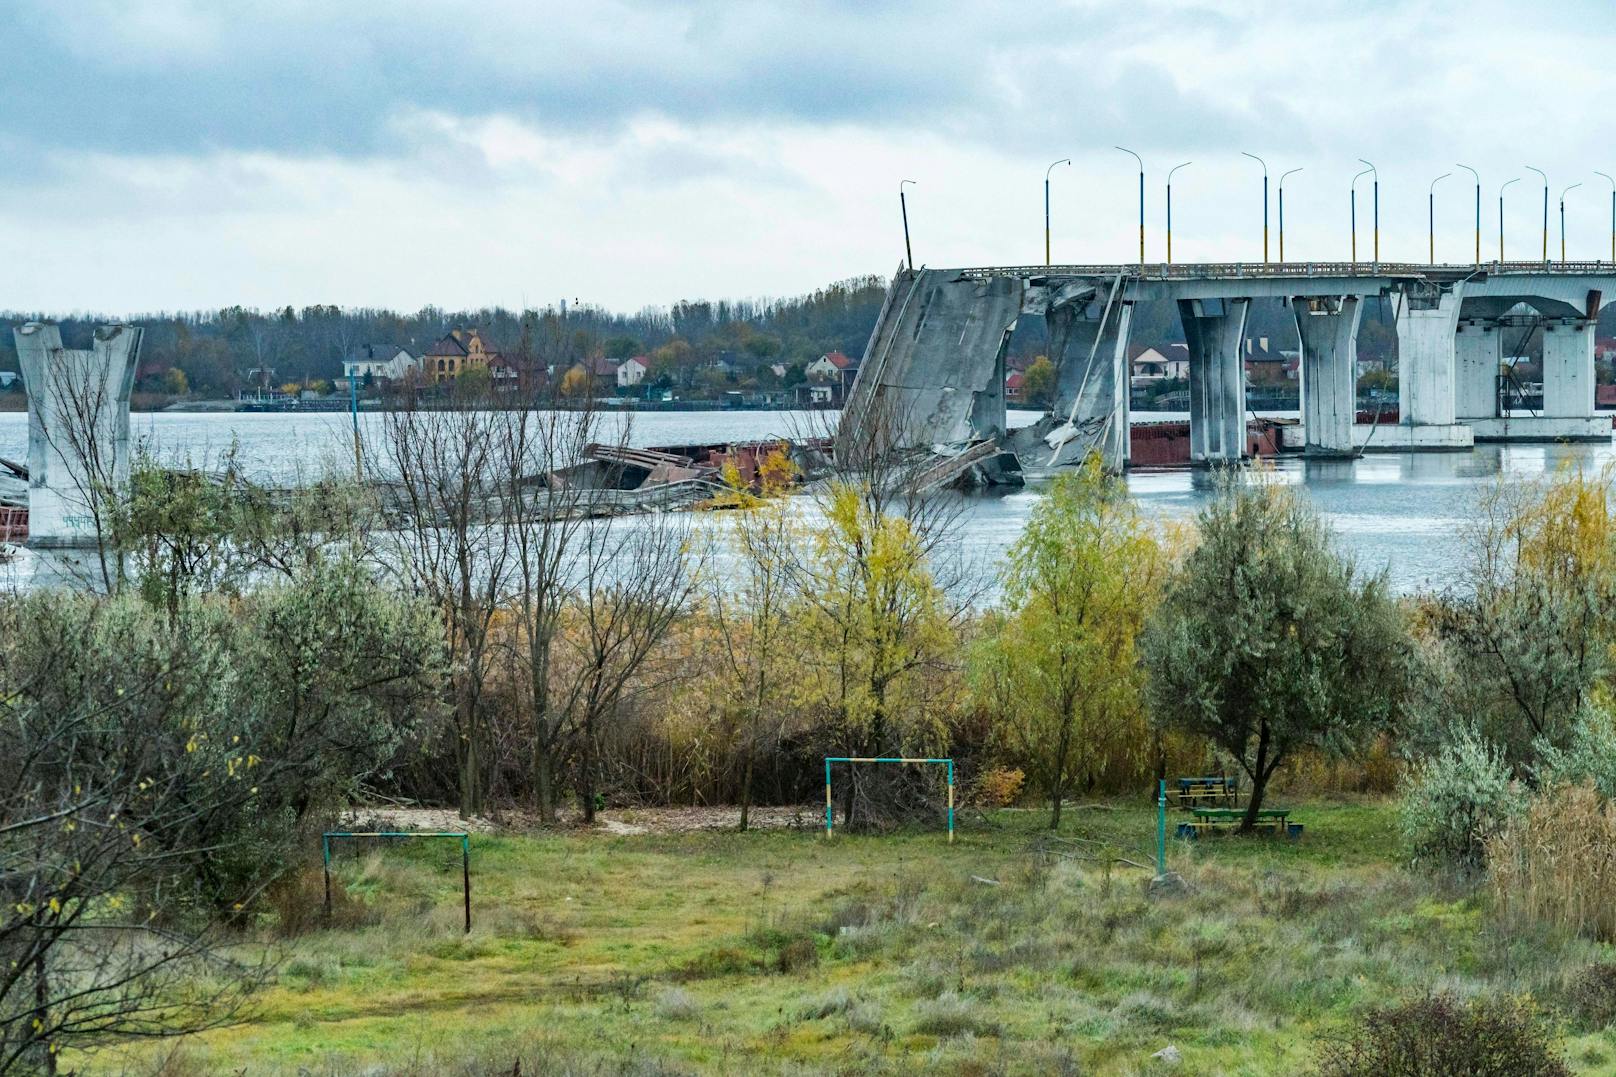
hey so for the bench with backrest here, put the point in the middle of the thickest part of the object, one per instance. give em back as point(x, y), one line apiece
point(1216, 820)
point(1216, 791)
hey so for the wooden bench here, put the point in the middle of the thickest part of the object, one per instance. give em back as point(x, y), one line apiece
point(1216, 820)
point(1209, 791)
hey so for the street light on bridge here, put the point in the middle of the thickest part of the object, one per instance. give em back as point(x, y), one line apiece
point(1563, 193)
point(1612, 214)
point(1355, 180)
point(1141, 161)
point(904, 206)
point(1376, 232)
point(1430, 215)
point(1047, 171)
point(1282, 176)
point(1545, 176)
point(1476, 174)
point(1170, 172)
point(1506, 183)
point(1264, 164)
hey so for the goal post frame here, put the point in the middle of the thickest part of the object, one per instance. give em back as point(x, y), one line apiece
point(829, 759)
point(465, 857)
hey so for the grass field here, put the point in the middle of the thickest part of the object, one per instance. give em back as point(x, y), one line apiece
point(780, 952)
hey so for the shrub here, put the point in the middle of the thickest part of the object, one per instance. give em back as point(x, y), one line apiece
point(999, 787)
point(1589, 757)
point(1457, 799)
point(951, 1015)
point(1591, 996)
point(1554, 864)
point(1439, 1035)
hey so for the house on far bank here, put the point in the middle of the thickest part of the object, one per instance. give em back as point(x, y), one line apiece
point(601, 371)
point(1166, 363)
point(379, 363)
point(630, 372)
point(1013, 386)
point(457, 351)
point(827, 367)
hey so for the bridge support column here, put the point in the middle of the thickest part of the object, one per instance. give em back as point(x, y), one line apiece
point(1090, 348)
point(1327, 327)
point(1215, 331)
point(1568, 369)
point(1427, 320)
point(78, 427)
point(1478, 353)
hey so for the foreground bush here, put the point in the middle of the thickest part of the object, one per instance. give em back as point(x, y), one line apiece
point(1456, 800)
point(1556, 865)
point(1440, 1036)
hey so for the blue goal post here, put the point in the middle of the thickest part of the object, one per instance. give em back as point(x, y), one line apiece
point(829, 813)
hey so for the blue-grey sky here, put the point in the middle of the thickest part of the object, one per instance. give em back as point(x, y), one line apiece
point(179, 154)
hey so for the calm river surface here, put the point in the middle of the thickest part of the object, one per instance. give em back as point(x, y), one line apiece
point(1403, 511)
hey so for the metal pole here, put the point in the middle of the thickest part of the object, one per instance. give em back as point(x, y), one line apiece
point(358, 451)
point(1376, 232)
point(1282, 176)
point(1161, 826)
point(1170, 172)
point(1355, 227)
point(1612, 180)
point(1476, 174)
point(1545, 176)
point(1563, 193)
point(1047, 171)
point(904, 207)
point(1264, 164)
point(1141, 161)
point(1501, 188)
point(465, 875)
point(325, 856)
point(951, 802)
point(1430, 213)
point(827, 799)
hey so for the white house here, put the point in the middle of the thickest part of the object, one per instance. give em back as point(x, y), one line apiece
point(1153, 364)
point(827, 367)
point(379, 362)
point(631, 372)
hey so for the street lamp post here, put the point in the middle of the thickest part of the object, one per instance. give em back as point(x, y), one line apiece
point(1563, 193)
point(1430, 216)
point(1612, 213)
point(1355, 180)
point(904, 206)
point(1540, 172)
point(1141, 161)
point(1282, 176)
point(1476, 174)
point(1505, 184)
point(1170, 172)
point(1047, 171)
point(1264, 164)
point(1376, 232)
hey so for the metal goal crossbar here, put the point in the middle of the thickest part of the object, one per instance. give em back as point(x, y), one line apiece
point(829, 812)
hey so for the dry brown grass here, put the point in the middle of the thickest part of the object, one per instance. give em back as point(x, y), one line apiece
point(1557, 864)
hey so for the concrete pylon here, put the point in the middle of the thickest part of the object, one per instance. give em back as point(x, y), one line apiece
point(1427, 320)
point(1215, 331)
point(78, 427)
point(1091, 347)
point(1327, 327)
point(1568, 369)
point(1478, 353)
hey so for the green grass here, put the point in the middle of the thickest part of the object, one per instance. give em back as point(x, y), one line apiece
point(780, 952)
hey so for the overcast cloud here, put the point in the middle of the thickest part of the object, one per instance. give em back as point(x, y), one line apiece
point(169, 154)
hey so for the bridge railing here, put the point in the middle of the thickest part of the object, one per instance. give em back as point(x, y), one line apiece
point(1237, 270)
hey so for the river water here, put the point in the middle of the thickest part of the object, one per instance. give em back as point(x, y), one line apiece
point(1401, 511)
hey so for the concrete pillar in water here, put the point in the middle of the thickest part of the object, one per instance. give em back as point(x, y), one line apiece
point(1327, 327)
point(1568, 368)
point(1427, 320)
point(1091, 348)
point(1215, 331)
point(78, 427)
point(1478, 353)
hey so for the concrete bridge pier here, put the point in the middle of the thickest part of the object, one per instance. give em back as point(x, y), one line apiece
point(1478, 354)
point(1215, 332)
point(1568, 369)
point(1091, 382)
point(1327, 327)
point(1427, 323)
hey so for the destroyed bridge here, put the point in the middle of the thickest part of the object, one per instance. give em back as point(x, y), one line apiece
point(934, 368)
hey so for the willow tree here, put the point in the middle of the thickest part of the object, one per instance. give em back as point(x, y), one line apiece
point(1269, 642)
point(1061, 668)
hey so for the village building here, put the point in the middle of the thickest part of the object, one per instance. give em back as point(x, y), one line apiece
point(458, 351)
point(379, 363)
point(630, 372)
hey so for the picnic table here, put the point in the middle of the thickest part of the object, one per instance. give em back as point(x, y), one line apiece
point(1212, 820)
point(1212, 790)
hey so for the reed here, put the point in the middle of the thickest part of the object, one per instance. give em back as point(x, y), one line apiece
point(1556, 864)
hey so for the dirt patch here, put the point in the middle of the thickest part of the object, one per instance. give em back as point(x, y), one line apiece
point(414, 820)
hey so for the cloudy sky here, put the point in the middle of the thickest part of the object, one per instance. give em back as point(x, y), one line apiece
point(181, 154)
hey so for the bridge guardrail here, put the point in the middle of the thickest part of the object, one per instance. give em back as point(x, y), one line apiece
point(1237, 270)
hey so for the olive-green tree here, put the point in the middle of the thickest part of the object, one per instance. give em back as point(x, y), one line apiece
point(1061, 667)
point(1268, 641)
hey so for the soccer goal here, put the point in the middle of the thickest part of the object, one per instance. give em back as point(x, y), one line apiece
point(465, 857)
point(830, 818)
